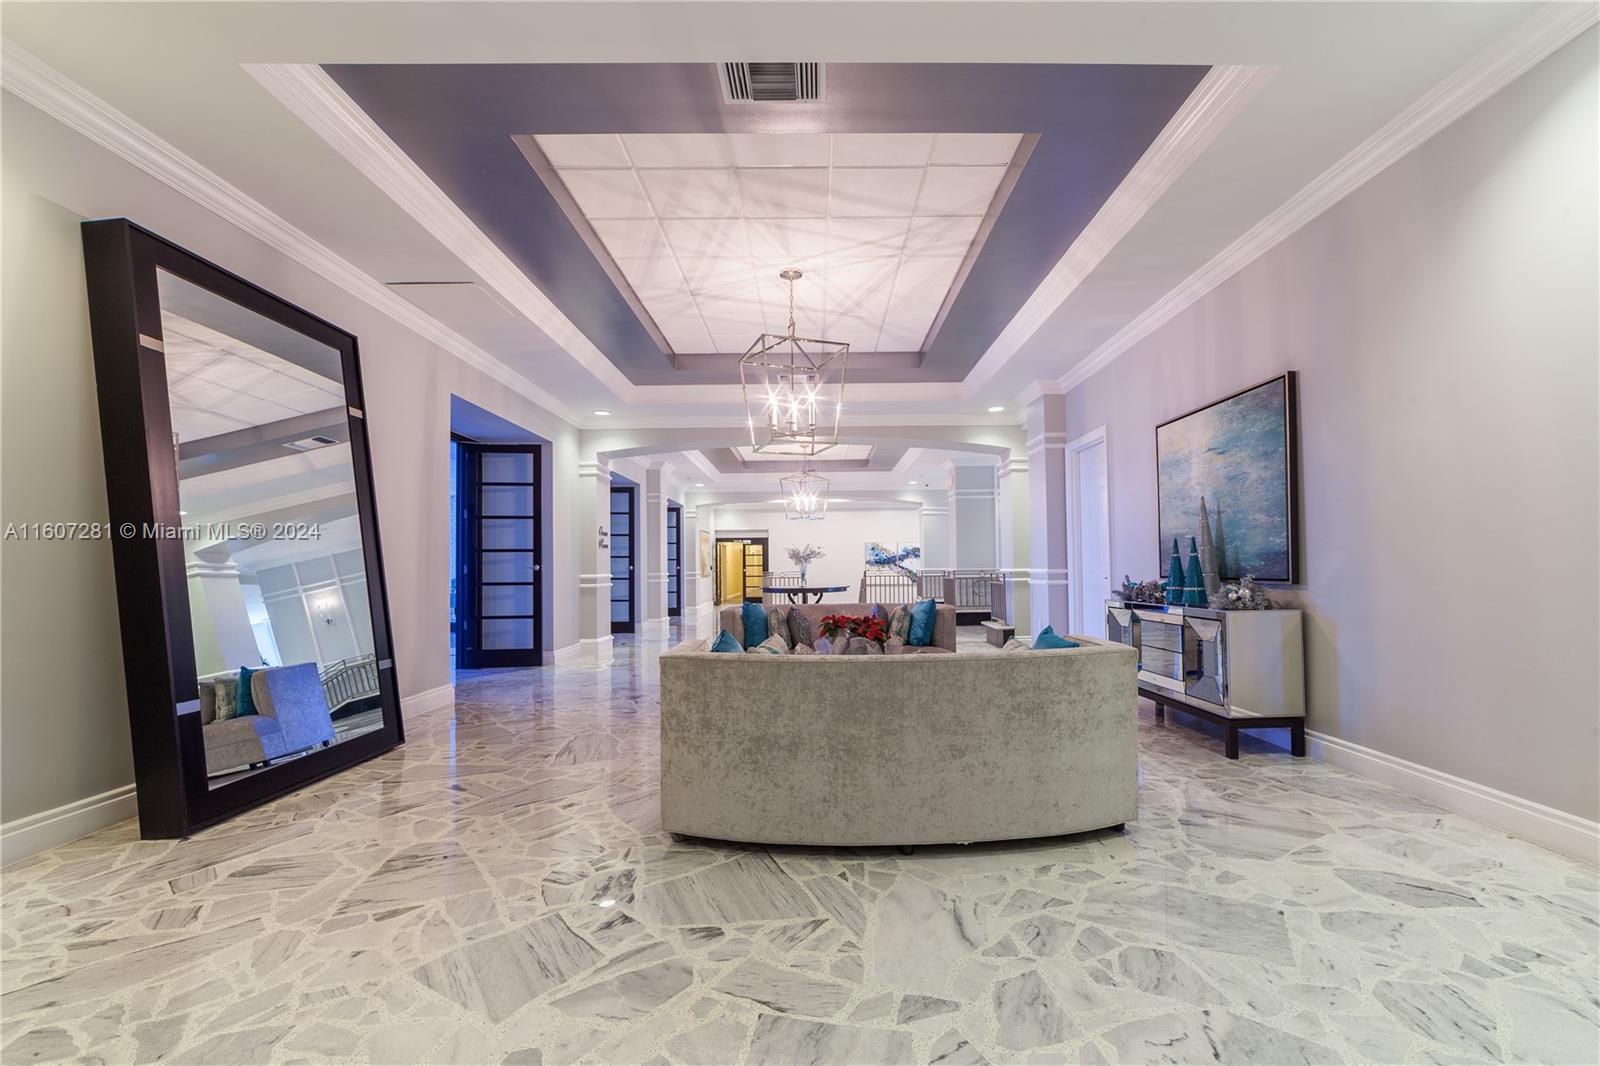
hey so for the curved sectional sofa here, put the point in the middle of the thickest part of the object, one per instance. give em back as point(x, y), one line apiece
point(897, 749)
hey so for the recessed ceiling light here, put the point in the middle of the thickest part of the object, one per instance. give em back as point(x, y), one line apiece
point(602, 414)
point(996, 410)
point(699, 484)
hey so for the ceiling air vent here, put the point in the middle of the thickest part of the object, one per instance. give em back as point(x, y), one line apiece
point(306, 444)
point(771, 82)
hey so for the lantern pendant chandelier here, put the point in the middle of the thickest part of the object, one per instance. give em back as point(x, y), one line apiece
point(793, 389)
point(805, 496)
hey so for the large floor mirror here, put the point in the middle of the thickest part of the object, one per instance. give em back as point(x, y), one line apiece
point(249, 576)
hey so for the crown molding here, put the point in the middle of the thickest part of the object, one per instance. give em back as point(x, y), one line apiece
point(1214, 103)
point(316, 99)
point(1524, 47)
point(42, 86)
point(1035, 391)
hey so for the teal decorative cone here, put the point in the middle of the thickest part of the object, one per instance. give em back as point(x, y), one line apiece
point(1194, 584)
point(1175, 580)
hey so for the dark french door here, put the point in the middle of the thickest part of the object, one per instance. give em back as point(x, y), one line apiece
point(674, 561)
point(624, 518)
point(500, 580)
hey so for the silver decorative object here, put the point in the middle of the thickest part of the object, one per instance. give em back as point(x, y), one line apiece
point(793, 389)
point(805, 496)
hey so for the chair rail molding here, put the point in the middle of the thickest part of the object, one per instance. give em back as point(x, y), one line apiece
point(1519, 51)
point(64, 100)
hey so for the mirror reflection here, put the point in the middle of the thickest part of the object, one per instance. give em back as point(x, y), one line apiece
point(272, 539)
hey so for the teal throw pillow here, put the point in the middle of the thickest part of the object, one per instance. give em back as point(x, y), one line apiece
point(923, 613)
point(1048, 638)
point(247, 702)
point(755, 624)
point(725, 642)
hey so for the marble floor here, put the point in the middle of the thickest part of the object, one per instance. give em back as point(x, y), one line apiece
point(499, 891)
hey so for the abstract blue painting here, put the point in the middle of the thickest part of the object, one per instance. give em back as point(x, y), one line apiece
point(1239, 455)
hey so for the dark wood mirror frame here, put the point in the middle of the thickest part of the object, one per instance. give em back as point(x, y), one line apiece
point(121, 262)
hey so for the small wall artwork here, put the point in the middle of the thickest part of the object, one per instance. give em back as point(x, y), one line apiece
point(1235, 462)
point(705, 553)
point(907, 558)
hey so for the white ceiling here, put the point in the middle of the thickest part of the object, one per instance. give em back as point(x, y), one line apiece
point(701, 224)
point(217, 384)
point(1339, 73)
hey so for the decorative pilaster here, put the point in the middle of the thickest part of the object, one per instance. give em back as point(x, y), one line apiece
point(594, 558)
point(972, 517)
point(1046, 421)
point(654, 548)
point(1015, 535)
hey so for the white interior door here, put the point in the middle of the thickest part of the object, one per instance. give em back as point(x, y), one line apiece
point(1091, 534)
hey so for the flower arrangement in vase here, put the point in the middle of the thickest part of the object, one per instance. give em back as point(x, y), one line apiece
point(804, 557)
point(869, 626)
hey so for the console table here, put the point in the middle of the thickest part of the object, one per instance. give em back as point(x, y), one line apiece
point(803, 593)
point(1239, 669)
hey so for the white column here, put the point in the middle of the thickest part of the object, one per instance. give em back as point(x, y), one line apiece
point(594, 558)
point(218, 616)
point(1015, 532)
point(1046, 425)
point(935, 532)
point(972, 518)
point(692, 581)
point(653, 555)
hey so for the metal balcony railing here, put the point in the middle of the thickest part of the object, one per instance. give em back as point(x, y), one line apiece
point(971, 592)
point(349, 680)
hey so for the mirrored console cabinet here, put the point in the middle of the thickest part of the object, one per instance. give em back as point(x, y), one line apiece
point(255, 628)
point(1239, 669)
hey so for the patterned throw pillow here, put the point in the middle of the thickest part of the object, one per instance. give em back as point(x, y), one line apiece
point(803, 649)
point(824, 646)
point(863, 646)
point(801, 631)
point(1017, 645)
point(900, 623)
point(773, 645)
point(227, 689)
point(778, 620)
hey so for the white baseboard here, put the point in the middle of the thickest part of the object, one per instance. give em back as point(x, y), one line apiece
point(568, 655)
point(595, 651)
point(47, 829)
point(1522, 818)
point(429, 700)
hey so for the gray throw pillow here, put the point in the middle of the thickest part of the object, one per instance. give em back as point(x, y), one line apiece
point(778, 620)
point(801, 631)
point(777, 644)
point(900, 623)
point(803, 649)
point(227, 689)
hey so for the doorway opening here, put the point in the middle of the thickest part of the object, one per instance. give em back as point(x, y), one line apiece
point(741, 569)
point(501, 574)
point(674, 560)
point(624, 517)
point(1089, 533)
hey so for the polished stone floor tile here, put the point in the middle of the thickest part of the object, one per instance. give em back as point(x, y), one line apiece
point(499, 890)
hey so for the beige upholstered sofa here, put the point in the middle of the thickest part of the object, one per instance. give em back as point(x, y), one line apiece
point(944, 623)
point(890, 749)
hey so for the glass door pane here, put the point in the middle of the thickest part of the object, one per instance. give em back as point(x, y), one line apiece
point(674, 561)
point(503, 572)
point(622, 560)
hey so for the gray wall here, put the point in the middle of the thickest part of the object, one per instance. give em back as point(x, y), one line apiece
point(63, 711)
point(1443, 320)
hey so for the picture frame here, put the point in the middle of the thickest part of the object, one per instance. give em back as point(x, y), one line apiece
point(1240, 454)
